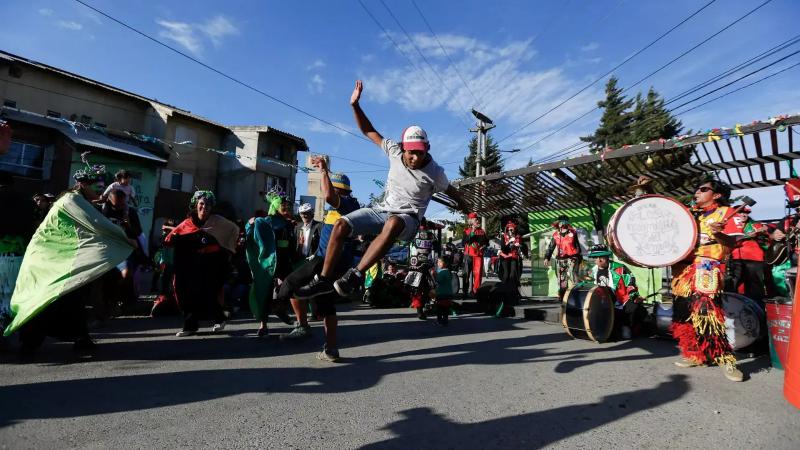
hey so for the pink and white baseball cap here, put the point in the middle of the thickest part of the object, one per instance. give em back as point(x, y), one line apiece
point(415, 138)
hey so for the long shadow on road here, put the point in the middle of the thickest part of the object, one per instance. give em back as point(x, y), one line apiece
point(82, 397)
point(423, 428)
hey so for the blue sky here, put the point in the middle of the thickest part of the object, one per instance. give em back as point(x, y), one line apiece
point(518, 58)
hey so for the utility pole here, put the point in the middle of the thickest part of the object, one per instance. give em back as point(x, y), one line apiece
point(482, 127)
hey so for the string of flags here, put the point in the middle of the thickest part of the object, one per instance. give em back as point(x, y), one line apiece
point(170, 145)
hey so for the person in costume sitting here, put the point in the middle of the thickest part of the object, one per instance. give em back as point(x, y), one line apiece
point(629, 311)
point(337, 193)
point(203, 243)
point(568, 257)
point(270, 254)
point(698, 320)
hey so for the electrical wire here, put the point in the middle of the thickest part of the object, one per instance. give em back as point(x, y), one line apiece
point(626, 60)
point(221, 73)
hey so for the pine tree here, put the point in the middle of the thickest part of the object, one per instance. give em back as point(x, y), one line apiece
point(615, 123)
point(491, 162)
point(651, 121)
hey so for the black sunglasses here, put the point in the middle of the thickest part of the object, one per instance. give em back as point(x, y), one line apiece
point(705, 188)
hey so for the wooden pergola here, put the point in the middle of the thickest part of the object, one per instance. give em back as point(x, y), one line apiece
point(747, 156)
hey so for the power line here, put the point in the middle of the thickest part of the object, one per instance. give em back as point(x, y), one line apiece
point(595, 28)
point(548, 24)
point(449, 59)
point(557, 154)
point(654, 72)
point(108, 105)
point(663, 35)
point(221, 73)
point(424, 58)
point(386, 33)
point(743, 87)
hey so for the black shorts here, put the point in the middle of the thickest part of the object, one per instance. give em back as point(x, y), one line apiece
point(326, 304)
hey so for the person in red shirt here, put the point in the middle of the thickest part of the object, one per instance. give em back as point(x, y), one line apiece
point(568, 258)
point(510, 260)
point(475, 241)
point(698, 320)
point(746, 266)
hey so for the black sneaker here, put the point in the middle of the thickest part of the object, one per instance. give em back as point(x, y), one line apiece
point(315, 288)
point(348, 283)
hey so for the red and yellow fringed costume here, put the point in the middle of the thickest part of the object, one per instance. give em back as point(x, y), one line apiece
point(698, 320)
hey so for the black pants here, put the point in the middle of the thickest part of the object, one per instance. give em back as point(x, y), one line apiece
point(64, 319)
point(751, 273)
point(467, 280)
point(631, 317)
point(509, 268)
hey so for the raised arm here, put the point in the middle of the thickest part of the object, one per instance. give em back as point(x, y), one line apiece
point(361, 119)
point(328, 193)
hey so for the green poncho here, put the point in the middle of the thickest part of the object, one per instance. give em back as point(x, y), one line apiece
point(73, 246)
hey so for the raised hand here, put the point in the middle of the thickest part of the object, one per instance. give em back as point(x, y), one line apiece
point(320, 163)
point(356, 92)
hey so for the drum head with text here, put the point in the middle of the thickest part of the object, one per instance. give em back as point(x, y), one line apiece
point(654, 231)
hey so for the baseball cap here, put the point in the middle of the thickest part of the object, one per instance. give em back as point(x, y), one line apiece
point(306, 207)
point(340, 180)
point(472, 215)
point(415, 138)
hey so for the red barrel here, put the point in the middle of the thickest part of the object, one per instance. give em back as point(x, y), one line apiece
point(779, 324)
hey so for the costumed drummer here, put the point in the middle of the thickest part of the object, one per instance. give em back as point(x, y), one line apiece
point(629, 311)
point(698, 320)
point(474, 242)
point(568, 257)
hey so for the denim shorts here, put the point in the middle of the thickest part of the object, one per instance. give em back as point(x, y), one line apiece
point(372, 220)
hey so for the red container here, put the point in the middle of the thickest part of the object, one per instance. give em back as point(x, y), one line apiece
point(779, 323)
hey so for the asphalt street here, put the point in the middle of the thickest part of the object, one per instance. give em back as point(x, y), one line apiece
point(479, 383)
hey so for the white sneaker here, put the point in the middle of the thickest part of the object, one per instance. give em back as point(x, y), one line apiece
point(185, 333)
point(218, 327)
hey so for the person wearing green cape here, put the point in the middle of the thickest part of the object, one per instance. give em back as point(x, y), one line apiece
point(72, 247)
point(270, 255)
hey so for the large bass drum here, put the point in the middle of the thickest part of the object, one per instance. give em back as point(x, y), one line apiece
point(587, 312)
point(745, 321)
point(652, 231)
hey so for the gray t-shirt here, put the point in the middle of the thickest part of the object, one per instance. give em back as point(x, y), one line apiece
point(408, 190)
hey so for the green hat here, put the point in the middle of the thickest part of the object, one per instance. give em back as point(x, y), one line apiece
point(599, 250)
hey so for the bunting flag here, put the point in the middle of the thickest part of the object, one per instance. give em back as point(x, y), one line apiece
point(74, 245)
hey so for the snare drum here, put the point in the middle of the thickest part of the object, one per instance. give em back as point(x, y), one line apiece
point(745, 321)
point(652, 231)
point(587, 312)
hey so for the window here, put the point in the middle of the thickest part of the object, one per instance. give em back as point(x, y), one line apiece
point(272, 181)
point(176, 182)
point(23, 159)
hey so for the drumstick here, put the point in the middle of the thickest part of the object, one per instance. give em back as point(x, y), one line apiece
point(746, 201)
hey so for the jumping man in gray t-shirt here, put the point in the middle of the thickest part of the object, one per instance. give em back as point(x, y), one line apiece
point(413, 178)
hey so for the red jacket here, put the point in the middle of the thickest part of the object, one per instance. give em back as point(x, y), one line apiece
point(567, 245)
point(474, 241)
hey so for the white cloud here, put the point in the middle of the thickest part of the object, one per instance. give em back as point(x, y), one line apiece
point(590, 46)
point(316, 84)
point(217, 28)
point(508, 90)
point(316, 65)
point(191, 36)
point(70, 25)
point(181, 33)
point(46, 11)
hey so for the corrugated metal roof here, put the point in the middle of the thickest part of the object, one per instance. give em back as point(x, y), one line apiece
point(79, 135)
